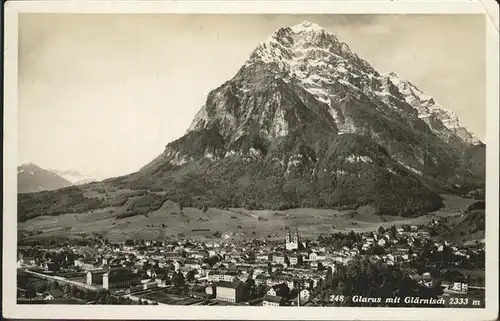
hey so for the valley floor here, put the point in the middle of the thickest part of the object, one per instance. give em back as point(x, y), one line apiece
point(172, 221)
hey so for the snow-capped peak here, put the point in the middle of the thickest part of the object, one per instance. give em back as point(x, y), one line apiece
point(304, 44)
point(26, 164)
point(307, 56)
point(74, 176)
point(306, 26)
point(428, 109)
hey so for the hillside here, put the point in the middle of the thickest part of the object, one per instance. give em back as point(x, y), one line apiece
point(32, 178)
point(170, 220)
point(468, 226)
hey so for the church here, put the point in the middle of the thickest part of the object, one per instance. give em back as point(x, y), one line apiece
point(293, 240)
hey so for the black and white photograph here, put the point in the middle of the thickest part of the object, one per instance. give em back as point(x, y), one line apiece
point(290, 160)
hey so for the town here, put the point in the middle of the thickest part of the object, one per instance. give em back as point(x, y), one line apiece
point(329, 270)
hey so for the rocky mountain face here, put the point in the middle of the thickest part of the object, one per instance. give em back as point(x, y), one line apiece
point(31, 178)
point(306, 122)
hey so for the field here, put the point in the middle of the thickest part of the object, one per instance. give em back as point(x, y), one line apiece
point(172, 221)
point(169, 298)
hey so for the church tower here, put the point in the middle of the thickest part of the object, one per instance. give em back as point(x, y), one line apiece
point(292, 240)
point(296, 237)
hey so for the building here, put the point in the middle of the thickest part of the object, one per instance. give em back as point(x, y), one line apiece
point(230, 291)
point(260, 279)
point(149, 285)
point(244, 276)
point(277, 266)
point(279, 258)
point(28, 261)
point(54, 294)
point(295, 259)
point(177, 265)
point(85, 265)
point(197, 254)
point(304, 295)
point(280, 290)
point(216, 276)
point(292, 240)
point(262, 257)
point(95, 276)
point(458, 287)
point(172, 256)
point(313, 256)
point(119, 278)
point(273, 301)
point(210, 290)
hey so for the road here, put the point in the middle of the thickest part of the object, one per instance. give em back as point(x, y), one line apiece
point(63, 280)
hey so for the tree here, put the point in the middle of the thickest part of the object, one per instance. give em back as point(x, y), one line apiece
point(67, 289)
point(260, 290)
point(211, 260)
point(54, 286)
point(80, 293)
point(311, 284)
point(30, 292)
point(178, 279)
point(74, 291)
point(42, 288)
point(88, 296)
point(190, 276)
point(329, 273)
point(251, 287)
point(394, 231)
point(102, 297)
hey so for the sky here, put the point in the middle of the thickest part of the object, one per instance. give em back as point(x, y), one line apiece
point(103, 94)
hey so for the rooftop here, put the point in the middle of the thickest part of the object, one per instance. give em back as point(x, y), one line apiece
point(232, 285)
point(273, 298)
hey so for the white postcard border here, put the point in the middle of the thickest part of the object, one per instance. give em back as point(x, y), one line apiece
point(12, 310)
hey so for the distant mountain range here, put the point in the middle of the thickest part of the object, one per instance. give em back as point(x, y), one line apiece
point(75, 177)
point(32, 178)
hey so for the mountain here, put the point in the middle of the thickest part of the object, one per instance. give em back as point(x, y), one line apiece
point(75, 177)
point(470, 225)
point(32, 178)
point(306, 122)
